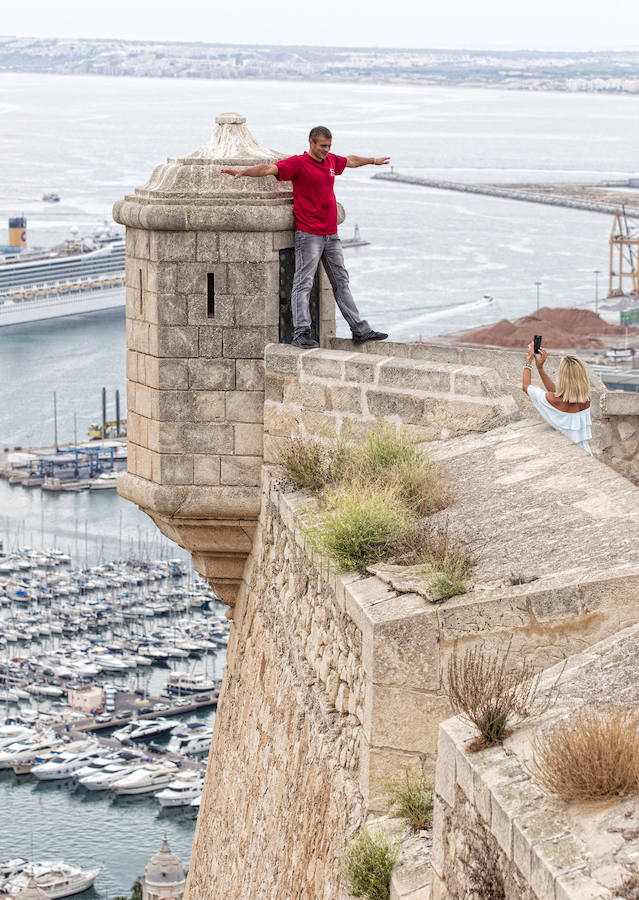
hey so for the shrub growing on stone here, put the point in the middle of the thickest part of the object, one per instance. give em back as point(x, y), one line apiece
point(447, 562)
point(367, 865)
point(386, 457)
point(493, 695)
point(360, 526)
point(410, 796)
point(312, 464)
point(450, 563)
point(392, 457)
point(591, 755)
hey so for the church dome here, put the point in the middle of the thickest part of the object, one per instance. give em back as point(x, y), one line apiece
point(164, 867)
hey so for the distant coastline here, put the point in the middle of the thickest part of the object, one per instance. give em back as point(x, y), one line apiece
point(597, 71)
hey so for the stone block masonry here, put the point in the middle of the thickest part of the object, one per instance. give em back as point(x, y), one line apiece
point(328, 392)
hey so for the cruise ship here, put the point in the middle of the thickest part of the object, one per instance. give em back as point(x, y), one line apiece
point(80, 275)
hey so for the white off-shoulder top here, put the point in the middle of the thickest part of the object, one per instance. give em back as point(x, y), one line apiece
point(575, 425)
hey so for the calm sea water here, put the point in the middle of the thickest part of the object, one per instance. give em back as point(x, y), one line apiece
point(433, 256)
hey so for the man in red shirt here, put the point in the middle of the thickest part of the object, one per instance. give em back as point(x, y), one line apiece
point(315, 208)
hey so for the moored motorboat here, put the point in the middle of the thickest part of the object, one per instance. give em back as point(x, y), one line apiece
point(181, 791)
point(148, 779)
point(55, 877)
point(102, 781)
point(189, 683)
point(67, 763)
point(140, 730)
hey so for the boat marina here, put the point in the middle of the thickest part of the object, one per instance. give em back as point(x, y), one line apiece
point(109, 676)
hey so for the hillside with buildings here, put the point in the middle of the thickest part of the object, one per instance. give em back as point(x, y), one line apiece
point(522, 69)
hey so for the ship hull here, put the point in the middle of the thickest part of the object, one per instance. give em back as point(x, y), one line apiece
point(58, 306)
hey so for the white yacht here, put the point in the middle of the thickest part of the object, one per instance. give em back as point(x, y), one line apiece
point(186, 683)
point(105, 481)
point(7, 695)
point(67, 763)
point(102, 780)
point(11, 734)
point(93, 766)
point(28, 749)
point(146, 780)
point(142, 729)
point(54, 877)
point(181, 791)
point(193, 739)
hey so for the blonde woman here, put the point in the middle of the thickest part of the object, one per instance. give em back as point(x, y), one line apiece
point(567, 406)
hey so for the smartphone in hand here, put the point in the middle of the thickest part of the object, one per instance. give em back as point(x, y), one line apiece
point(537, 343)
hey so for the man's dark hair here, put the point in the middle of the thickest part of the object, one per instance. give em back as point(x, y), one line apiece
point(318, 132)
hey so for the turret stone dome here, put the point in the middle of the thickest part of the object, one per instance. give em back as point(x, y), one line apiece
point(164, 867)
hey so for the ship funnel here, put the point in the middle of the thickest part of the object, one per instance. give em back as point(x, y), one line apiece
point(18, 232)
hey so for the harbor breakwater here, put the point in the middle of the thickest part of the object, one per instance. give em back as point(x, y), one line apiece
point(507, 193)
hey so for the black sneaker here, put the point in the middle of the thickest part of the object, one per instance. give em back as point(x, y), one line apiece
point(305, 340)
point(369, 336)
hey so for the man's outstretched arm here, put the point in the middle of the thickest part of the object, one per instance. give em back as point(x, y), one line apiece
point(253, 171)
point(354, 162)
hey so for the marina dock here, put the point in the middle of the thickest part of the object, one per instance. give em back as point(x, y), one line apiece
point(146, 712)
point(509, 193)
point(68, 467)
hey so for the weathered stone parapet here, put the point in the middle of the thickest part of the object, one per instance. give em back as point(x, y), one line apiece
point(615, 414)
point(339, 392)
point(488, 807)
point(505, 364)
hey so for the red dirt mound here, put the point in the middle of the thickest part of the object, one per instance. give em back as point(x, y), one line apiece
point(561, 329)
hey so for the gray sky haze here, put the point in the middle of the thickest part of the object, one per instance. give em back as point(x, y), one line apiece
point(459, 24)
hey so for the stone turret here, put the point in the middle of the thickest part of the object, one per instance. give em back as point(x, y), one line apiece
point(209, 272)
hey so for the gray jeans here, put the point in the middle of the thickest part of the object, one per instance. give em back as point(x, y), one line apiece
point(309, 249)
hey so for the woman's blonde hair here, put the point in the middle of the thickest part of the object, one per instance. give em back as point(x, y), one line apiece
point(573, 384)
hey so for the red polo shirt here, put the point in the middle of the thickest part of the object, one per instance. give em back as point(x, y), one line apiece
point(314, 203)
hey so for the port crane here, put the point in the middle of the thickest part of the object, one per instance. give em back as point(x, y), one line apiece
point(624, 256)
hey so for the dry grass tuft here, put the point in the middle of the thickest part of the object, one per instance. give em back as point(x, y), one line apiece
point(367, 865)
point(394, 458)
point(312, 464)
point(410, 796)
point(359, 526)
point(492, 695)
point(386, 457)
point(372, 496)
point(592, 755)
point(450, 563)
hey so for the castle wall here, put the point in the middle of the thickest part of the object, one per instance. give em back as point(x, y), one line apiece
point(335, 682)
point(330, 392)
point(492, 818)
point(282, 790)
